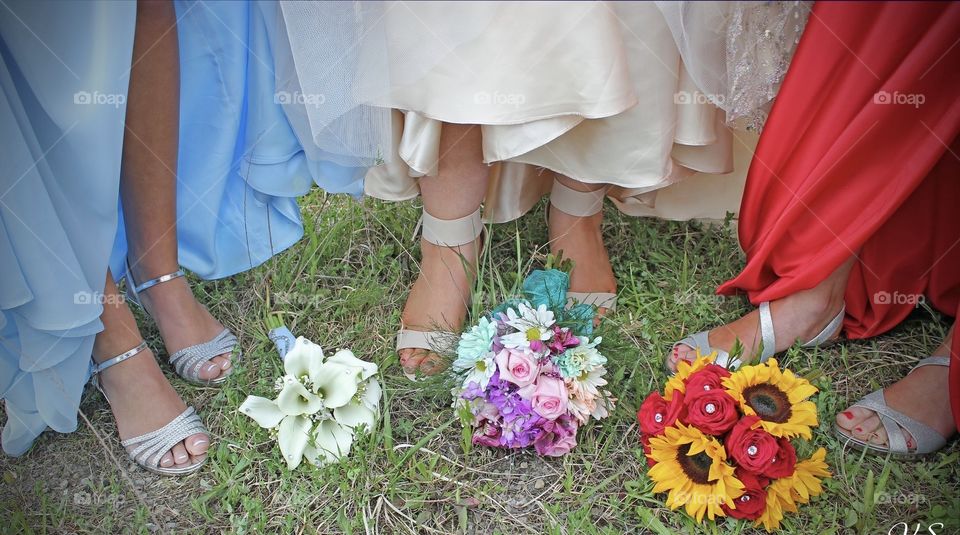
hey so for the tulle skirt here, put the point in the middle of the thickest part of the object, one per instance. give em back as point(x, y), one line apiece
point(64, 76)
point(595, 91)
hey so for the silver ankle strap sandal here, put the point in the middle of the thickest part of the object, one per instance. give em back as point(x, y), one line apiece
point(927, 439)
point(443, 233)
point(700, 341)
point(147, 449)
point(582, 204)
point(188, 361)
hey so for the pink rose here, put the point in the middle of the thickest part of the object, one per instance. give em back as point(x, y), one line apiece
point(557, 437)
point(518, 367)
point(550, 398)
point(488, 433)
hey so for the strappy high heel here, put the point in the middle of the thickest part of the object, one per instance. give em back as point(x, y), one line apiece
point(188, 361)
point(927, 439)
point(701, 340)
point(147, 449)
point(582, 204)
point(443, 233)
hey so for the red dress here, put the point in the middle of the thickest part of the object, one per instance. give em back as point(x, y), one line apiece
point(861, 157)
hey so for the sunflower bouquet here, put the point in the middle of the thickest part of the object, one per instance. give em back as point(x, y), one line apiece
point(719, 442)
point(530, 372)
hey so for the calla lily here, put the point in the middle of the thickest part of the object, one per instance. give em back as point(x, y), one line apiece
point(347, 358)
point(295, 399)
point(303, 359)
point(371, 395)
point(264, 411)
point(335, 384)
point(293, 436)
point(331, 442)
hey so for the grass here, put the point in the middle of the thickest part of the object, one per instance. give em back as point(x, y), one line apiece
point(344, 285)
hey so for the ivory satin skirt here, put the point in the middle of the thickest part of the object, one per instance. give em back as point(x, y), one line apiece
point(593, 91)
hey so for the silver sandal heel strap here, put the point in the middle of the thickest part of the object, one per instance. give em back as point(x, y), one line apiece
point(894, 422)
point(98, 369)
point(148, 448)
point(187, 361)
point(577, 203)
point(767, 333)
point(598, 299)
point(450, 232)
point(831, 329)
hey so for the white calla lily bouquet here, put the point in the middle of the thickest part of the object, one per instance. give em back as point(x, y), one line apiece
point(321, 404)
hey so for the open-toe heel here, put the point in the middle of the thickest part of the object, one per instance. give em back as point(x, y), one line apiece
point(450, 233)
point(582, 204)
point(701, 340)
point(147, 449)
point(188, 361)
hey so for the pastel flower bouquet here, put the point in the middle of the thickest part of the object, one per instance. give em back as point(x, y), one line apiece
point(322, 402)
point(529, 373)
point(719, 442)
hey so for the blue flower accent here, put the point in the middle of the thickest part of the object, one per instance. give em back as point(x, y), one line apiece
point(579, 318)
point(547, 287)
point(475, 344)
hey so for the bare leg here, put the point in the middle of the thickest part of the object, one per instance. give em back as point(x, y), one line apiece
point(800, 316)
point(438, 299)
point(581, 240)
point(140, 396)
point(149, 182)
point(923, 395)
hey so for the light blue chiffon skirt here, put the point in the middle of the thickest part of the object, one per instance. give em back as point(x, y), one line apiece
point(63, 88)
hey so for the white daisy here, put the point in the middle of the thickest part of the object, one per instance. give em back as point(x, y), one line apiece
point(533, 328)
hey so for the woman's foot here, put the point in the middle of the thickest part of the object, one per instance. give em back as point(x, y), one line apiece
point(581, 240)
point(438, 300)
point(182, 321)
point(924, 395)
point(142, 400)
point(800, 316)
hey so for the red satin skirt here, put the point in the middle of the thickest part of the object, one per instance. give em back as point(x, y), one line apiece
point(861, 158)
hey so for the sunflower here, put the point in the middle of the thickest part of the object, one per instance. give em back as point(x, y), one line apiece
point(693, 468)
point(785, 494)
point(778, 398)
point(684, 371)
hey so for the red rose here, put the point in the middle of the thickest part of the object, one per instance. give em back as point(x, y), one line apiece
point(656, 414)
point(645, 440)
point(712, 411)
point(752, 449)
point(750, 505)
point(784, 462)
point(709, 378)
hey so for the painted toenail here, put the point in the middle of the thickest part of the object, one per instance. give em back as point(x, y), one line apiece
point(848, 414)
point(858, 429)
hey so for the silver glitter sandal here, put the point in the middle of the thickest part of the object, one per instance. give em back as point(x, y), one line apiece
point(926, 438)
point(582, 204)
point(188, 361)
point(147, 449)
point(700, 341)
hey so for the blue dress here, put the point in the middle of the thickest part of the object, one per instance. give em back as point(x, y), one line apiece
point(63, 89)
